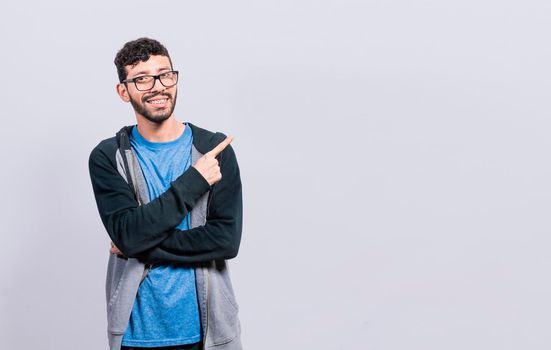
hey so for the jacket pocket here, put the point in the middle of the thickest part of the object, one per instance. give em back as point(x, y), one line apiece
point(223, 323)
point(115, 271)
point(121, 300)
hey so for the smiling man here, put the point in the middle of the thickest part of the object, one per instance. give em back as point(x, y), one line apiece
point(169, 196)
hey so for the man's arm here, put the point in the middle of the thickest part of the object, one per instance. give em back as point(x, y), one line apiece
point(220, 237)
point(136, 228)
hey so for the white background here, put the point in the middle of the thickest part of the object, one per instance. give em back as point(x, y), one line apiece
point(394, 157)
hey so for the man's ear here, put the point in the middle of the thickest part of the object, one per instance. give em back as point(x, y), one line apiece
point(123, 92)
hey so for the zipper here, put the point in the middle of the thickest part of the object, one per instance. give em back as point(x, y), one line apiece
point(206, 273)
point(129, 171)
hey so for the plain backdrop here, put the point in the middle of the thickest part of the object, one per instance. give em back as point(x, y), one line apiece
point(394, 157)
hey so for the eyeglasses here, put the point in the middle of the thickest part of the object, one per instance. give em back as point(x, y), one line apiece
point(146, 82)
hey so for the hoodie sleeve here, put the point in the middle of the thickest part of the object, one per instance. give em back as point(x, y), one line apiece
point(135, 228)
point(220, 237)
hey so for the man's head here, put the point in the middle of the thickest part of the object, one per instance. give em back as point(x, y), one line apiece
point(147, 80)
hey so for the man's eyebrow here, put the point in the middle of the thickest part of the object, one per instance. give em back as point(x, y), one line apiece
point(142, 72)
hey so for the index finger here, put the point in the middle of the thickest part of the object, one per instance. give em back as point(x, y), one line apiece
point(220, 147)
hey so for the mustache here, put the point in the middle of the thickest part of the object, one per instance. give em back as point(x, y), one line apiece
point(164, 94)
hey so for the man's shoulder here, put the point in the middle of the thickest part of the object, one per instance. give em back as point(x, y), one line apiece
point(205, 140)
point(106, 145)
point(105, 149)
point(110, 145)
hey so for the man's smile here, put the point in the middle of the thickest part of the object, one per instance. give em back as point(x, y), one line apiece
point(158, 101)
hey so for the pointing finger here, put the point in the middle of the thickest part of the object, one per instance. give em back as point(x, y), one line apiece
point(220, 147)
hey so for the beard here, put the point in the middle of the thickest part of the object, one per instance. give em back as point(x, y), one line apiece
point(150, 113)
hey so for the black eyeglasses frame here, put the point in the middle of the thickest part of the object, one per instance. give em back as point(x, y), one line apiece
point(155, 77)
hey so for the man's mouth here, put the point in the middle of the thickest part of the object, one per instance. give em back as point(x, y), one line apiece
point(158, 102)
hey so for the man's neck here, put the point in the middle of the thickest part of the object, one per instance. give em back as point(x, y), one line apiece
point(169, 130)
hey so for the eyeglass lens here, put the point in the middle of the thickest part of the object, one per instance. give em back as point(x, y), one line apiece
point(147, 82)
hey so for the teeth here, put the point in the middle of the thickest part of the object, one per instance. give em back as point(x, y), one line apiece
point(157, 101)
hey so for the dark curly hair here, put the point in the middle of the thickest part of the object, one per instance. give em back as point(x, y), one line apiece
point(136, 51)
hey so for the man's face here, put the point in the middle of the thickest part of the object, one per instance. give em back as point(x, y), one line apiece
point(157, 104)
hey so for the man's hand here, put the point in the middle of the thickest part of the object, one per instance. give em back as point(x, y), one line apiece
point(208, 165)
point(115, 250)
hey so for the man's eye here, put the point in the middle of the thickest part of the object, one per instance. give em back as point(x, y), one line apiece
point(166, 75)
point(144, 79)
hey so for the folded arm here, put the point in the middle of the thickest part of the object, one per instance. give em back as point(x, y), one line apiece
point(135, 228)
point(220, 237)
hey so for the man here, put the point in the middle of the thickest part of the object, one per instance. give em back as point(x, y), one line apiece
point(169, 196)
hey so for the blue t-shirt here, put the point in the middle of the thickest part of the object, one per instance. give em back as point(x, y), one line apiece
point(165, 312)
